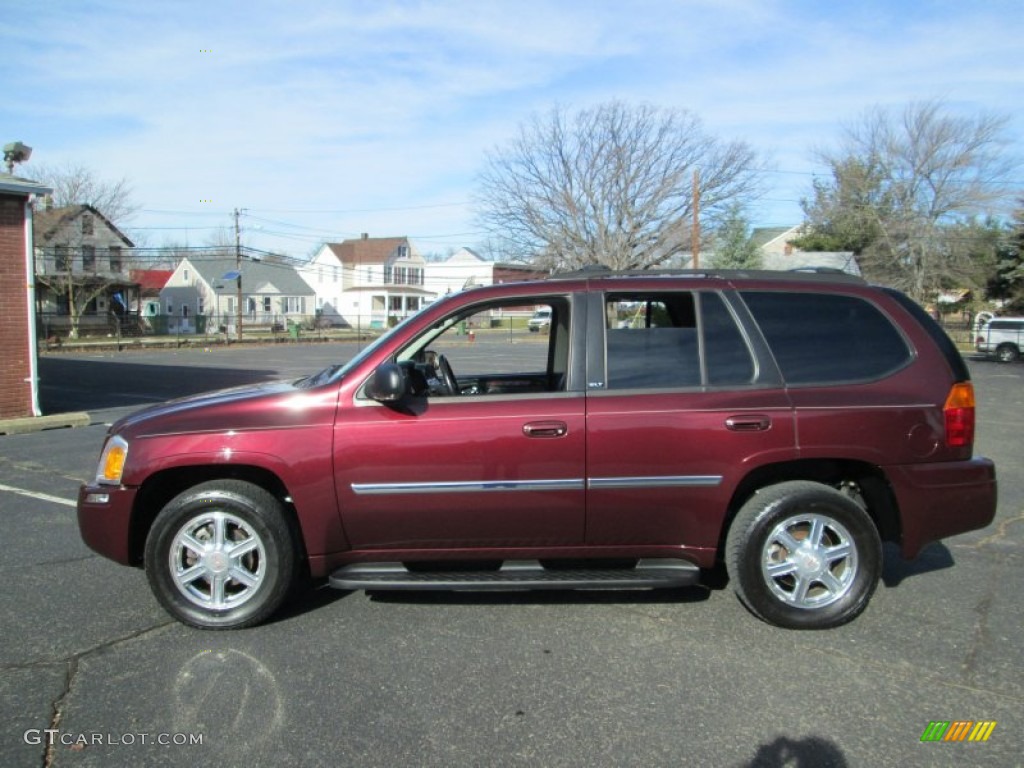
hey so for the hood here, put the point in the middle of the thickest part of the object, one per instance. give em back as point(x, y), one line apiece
point(234, 408)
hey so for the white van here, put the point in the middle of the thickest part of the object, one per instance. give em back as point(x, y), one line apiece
point(1001, 337)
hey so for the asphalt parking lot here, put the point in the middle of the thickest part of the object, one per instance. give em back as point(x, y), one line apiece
point(94, 673)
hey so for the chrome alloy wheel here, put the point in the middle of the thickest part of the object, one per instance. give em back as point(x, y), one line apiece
point(809, 561)
point(217, 561)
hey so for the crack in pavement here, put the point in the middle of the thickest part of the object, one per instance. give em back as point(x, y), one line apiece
point(914, 674)
point(997, 535)
point(57, 710)
point(71, 672)
point(980, 638)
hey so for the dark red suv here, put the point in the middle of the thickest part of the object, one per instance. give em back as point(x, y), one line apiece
point(784, 424)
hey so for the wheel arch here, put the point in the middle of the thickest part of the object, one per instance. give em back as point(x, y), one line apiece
point(878, 497)
point(162, 486)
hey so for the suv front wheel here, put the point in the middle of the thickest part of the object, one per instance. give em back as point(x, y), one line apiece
point(222, 555)
point(803, 556)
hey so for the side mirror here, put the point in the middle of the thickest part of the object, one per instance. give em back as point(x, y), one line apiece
point(387, 384)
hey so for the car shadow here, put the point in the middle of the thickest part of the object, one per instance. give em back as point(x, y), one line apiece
point(85, 385)
point(809, 752)
point(895, 569)
point(308, 599)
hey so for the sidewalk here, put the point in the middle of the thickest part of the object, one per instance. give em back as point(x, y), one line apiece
point(39, 423)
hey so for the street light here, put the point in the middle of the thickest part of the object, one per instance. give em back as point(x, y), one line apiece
point(16, 152)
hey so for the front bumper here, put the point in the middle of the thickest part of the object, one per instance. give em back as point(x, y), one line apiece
point(943, 499)
point(104, 520)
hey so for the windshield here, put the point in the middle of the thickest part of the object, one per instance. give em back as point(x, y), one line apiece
point(336, 373)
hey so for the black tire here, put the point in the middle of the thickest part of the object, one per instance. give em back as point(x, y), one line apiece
point(1007, 353)
point(236, 582)
point(812, 585)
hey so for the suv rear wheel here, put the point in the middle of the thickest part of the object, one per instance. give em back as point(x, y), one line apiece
point(221, 555)
point(803, 556)
point(1007, 353)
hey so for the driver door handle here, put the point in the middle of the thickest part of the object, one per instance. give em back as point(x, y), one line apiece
point(545, 429)
point(748, 422)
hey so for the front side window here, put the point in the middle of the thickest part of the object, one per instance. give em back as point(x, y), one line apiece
point(488, 350)
point(827, 338)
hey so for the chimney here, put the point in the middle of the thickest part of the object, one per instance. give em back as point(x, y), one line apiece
point(366, 235)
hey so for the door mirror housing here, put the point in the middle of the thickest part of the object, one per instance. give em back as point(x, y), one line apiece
point(388, 383)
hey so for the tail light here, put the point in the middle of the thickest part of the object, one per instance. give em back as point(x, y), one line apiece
point(959, 413)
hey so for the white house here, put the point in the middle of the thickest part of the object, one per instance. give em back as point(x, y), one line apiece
point(368, 282)
point(466, 269)
point(272, 294)
point(463, 269)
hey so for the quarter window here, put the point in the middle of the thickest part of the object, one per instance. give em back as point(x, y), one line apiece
point(827, 338)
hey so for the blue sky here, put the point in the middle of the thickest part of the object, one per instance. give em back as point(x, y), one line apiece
point(327, 119)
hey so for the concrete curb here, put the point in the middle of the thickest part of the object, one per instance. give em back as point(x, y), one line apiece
point(39, 423)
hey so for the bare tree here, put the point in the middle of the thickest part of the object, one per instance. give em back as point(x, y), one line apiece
point(610, 185)
point(75, 184)
point(905, 189)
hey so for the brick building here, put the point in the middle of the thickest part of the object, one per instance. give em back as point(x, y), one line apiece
point(18, 374)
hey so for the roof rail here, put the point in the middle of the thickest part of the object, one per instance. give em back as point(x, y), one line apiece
point(810, 274)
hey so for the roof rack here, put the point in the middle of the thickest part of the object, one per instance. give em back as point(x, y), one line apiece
point(814, 274)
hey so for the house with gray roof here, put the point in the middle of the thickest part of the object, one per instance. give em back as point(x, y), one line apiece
point(777, 252)
point(82, 282)
point(204, 294)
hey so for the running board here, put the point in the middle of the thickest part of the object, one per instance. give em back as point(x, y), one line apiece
point(517, 575)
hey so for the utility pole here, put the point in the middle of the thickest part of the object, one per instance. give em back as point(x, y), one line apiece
point(238, 268)
point(695, 234)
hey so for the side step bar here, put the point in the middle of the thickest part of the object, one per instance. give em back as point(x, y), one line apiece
point(517, 575)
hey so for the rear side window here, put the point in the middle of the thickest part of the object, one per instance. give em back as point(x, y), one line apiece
point(823, 338)
point(1006, 325)
point(652, 341)
point(655, 341)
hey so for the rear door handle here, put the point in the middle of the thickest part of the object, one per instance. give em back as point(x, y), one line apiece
point(545, 429)
point(748, 422)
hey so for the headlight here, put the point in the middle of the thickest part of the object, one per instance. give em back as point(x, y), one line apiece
point(112, 460)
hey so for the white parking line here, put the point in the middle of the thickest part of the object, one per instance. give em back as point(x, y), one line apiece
point(37, 495)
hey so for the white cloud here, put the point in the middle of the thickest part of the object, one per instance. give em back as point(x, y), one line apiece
point(385, 105)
